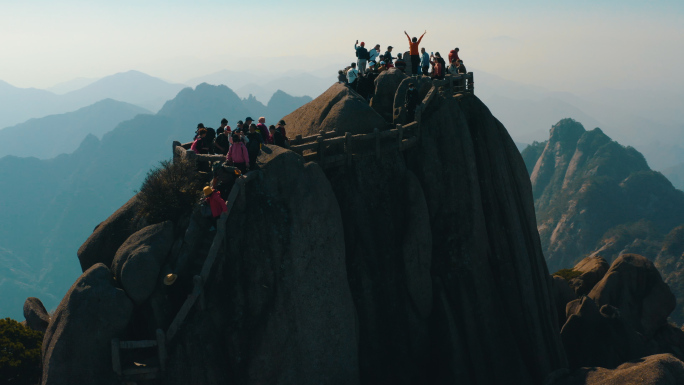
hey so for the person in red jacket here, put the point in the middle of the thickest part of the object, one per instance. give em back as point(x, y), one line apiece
point(453, 55)
point(238, 155)
point(217, 204)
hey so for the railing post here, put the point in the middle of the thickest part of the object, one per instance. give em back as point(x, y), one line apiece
point(161, 349)
point(116, 359)
point(173, 148)
point(471, 84)
point(321, 147)
point(348, 147)
point(197, 283)
point(191, 156)
point(400, 137)
point(451, 84)
point(298, 139)
point(377, 142)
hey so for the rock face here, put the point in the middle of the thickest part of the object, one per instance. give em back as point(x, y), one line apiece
point(37, 318)
point(108, 236)
point(634, 286)
point(422, 84)
point(593, 269)
point(77, 343)
point(669, 262)
point(660, 369)
point(596, 197)
point(422, 266)
point(138, 261)
point(386, 86)
point(562, 294)
point(338, 109)
point(281, 303)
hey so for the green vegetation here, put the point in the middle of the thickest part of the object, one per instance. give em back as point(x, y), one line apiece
point(568, 274)
point(532, 153)
point(19, 353)
point(169, 191)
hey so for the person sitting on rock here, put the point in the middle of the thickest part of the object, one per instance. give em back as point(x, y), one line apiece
point(254, 144)
point(400, 64)
point(352, 76)
point(413, 51)
point(341, 77)
point(217, 204)
point(382, 68)
point(461, 68)
point(200, 145)
point(411, 102)
point(262, 129)
point(238, 155)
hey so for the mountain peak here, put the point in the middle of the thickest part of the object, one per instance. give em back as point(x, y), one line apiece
point(567, 131)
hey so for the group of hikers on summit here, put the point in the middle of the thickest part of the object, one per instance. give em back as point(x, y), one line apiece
point(242, 145)
point(371, 63)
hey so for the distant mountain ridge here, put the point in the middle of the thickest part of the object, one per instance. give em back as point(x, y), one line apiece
point(594, 197)
point(52, 135)
point(18, 105)
point(48, 207)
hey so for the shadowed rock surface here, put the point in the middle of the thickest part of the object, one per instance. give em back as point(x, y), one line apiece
point(422, 266)
point(338, 109)
point(386, 85)
point(660, 369)
point(634, 285)
point(593, 269)
point(138, 261)
point(37, 318)
point(102, 244)
point(77, 343)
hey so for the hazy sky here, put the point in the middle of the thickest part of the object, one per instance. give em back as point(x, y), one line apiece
point(573, 46)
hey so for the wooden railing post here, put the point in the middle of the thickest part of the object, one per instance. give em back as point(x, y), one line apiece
point(321, 147)
point(116, 359)
point(451, 84)
point(400, 137)
point(173, 148)
point(298, 139)
point(348, 147)
point(197, 283)
point(377, 142)
point(161, 348)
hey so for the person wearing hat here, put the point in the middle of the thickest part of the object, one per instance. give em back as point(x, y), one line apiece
point(413, 51)
point(248, 122)
point(388, 57)
point(217, 204)
point(411, 102)
point(383, 67)
point(281, 129)
point(362, 55)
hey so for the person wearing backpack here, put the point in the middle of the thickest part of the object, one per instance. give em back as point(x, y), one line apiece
point(362, 56)
point(238, 155)
point(352, 76)
point(254, 144)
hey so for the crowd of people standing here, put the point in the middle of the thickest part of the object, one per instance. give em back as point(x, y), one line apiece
point(241, 145)
point(372, 63)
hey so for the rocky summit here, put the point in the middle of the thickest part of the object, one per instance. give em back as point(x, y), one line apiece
point(413, 260)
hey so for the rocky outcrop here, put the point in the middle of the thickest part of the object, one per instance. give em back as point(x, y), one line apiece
point(105, 240)
point(593, 269)
point(386, 86)
point(280, 310)
point(77, 343)
point(422, 266)
point(633, 285)
point(596, 197)
point(423, 84)
point(138, 261)
point(338, 109)
point(660, 369)
point(562, 295)
point(669, 262)
point(37, 318)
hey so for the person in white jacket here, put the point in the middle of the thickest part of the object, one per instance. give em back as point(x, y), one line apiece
point(352, 76)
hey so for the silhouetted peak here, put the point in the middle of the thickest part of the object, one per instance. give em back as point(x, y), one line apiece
point(567, 131)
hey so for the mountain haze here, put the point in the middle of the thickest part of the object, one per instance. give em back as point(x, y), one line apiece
point(52, 135)
point(48, 207)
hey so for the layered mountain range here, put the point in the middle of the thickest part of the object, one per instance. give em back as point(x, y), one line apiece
point(594, 197)
point(48, 206)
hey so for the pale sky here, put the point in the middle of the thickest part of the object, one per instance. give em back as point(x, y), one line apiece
point(569, 46)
